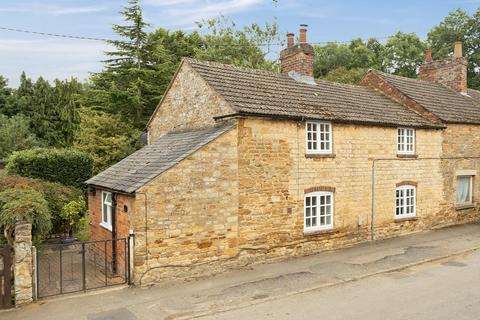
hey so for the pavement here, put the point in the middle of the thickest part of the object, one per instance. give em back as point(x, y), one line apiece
point(290, 289)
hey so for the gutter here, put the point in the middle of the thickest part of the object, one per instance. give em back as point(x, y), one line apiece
point(303, 118)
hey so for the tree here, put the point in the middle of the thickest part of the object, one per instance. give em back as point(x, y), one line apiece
point(107, 138)
point(404, 53)
point(124, 87)
point(52, 110)
point(5, 97)
point(224, 43)
point(344, 75)
point(24, 204)
point(329, 57)
point(131, 50)
point(15, 135)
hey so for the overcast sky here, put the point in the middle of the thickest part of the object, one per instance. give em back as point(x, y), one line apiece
point(328, 20)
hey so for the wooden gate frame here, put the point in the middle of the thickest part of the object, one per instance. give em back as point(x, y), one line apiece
point(6, 278)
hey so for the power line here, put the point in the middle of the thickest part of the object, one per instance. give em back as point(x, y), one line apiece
point(55, 34)
point(58, 35)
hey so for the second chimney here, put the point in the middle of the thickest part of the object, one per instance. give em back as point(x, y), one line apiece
point(297, 58)
point(451, 72)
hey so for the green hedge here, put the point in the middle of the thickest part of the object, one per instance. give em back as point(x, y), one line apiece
point(66, 166)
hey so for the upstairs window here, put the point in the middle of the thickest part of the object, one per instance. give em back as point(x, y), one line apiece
point(319, 137)
point(106, 210)
point(318, 211)
point(405, 202)
point(464, 190)
point(405, 141)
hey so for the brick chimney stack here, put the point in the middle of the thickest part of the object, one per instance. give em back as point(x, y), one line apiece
point(428, 55)
point(451, 72)
point(297, 59)
point(290, 41)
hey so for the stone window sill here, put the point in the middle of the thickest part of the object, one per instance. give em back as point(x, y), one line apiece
point(400, 220)
point(407, 156)
point(318, 156)
point(318, 232)
point(465, 206)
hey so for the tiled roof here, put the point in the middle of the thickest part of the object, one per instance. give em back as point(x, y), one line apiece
point(142, 166)
point(445, 103)
point(272, 94)
point(474, 94)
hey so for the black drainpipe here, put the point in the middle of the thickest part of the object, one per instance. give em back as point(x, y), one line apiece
point(114, 233)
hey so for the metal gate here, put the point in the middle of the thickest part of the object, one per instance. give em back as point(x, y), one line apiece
point(82, 266)
point(6, 277)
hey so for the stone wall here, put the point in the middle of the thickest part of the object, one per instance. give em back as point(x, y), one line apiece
point(274, 173)
point(23, 264)
point(460, 140)
point(185, 220)
point(189, 103)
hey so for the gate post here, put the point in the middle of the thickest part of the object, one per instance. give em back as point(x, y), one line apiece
point(23, 267)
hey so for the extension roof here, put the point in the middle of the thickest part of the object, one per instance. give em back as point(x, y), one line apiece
point(139, 168)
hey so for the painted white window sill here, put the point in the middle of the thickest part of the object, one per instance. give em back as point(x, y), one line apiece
point(106, 226)
point(310, 232)
point(405, 218)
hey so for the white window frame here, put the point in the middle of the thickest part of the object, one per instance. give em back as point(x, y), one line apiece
point(309, 141)
point(317, 208)
point(402, 143)
point(106, 223)
point(469, 203)
point(401, 202)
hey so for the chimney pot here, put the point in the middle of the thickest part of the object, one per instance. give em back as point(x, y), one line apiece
point(428, 55)
point(458, 49)
point(290, 39)
point(303, 33)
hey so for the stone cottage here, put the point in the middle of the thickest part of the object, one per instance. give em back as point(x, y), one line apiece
point(245, 166)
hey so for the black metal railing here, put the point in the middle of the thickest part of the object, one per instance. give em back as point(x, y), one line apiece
point(82, 266)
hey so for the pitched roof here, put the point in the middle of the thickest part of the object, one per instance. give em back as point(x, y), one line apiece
point(257, 92)
point(474, 94)
point(445, 103)
point(145, 164)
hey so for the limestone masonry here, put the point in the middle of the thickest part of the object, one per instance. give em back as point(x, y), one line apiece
point(292, 168)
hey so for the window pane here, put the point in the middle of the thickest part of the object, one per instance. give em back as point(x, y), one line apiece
point(463, 189)
point(104, 215)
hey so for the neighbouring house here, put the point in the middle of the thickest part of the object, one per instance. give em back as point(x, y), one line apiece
point(244, 166)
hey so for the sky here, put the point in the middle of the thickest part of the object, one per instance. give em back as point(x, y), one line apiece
point(328, 20)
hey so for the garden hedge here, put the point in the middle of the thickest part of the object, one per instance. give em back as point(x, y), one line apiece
point(66, 166)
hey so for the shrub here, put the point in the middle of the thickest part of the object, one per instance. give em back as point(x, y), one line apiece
point(25, 204)
point(71, 214)
point(66, 166)
point(82, 231)
point(56, 195)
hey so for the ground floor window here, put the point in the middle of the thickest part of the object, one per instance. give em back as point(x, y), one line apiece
point(405, 201)
point(464, 190)
point(106, 210)
point(318, 211)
